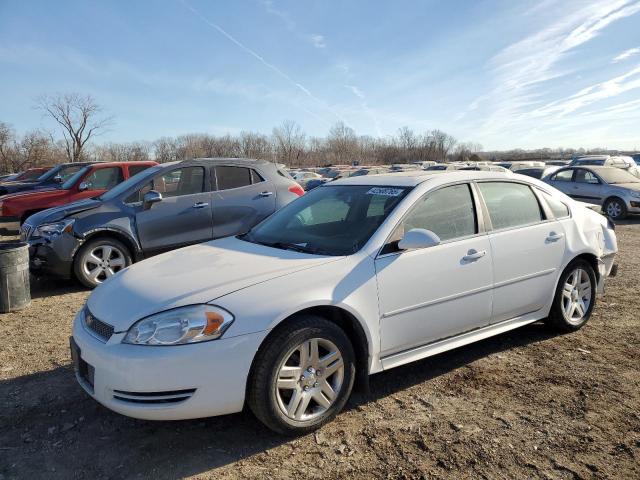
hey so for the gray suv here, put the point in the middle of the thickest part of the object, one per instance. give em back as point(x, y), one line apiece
point(162, 208)
point(616, 190)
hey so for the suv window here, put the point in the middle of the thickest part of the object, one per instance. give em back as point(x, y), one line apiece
point(135, 169)
point(448, 212)
point(559, 209)
point(175, 183)
point(233, 177)
point(563, 176)
point(510, 204)
point(104, 178)
point(585, 176)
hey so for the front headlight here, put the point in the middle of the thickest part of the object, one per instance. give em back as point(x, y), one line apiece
point(635, 194)
point(51, 229)
point(192, 324)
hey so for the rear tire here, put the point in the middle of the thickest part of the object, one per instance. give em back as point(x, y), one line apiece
point(575, 297)
point(615, 208)
point(99, 259)
point(302, 377)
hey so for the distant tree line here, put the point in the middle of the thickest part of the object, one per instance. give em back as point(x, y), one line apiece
point(80, 119)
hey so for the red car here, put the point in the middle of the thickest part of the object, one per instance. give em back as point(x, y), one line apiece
point(31, 174)
point(90, 181)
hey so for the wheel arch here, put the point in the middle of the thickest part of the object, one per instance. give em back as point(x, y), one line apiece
point(590, 258)
point(346, 320)
point(117, 234)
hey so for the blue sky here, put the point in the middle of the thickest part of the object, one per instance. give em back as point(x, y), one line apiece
point(506, 74)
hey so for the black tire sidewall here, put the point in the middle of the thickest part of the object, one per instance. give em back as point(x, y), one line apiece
point(557, 313)
point(90, 245)
point(273, 358)
point(623, 208)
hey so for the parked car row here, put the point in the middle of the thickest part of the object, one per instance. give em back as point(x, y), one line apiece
point(358, 276)
point(161, 208)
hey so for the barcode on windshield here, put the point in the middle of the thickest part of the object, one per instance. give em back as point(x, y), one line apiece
point(385, 192)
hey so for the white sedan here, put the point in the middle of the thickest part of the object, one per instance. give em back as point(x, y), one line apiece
point(358, 276)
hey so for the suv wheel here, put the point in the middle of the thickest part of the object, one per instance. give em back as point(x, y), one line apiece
point(100, 259)
point(302, 377)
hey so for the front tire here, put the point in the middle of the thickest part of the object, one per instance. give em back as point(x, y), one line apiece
point(615, 208)
point(302, 377)
point(99, 259)
point(575, 297)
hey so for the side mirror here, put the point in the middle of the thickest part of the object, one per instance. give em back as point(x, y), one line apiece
point(58, 179)
point(83, 186)
point(150, 198)
point(418, 238)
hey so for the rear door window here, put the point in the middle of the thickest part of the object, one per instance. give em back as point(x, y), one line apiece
point(104, 178)
point(510, 205)
point(229, 177)
point(135, 169)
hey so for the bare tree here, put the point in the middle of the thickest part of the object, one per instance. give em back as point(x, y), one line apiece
point(79, 118)
point(7, 138)
point(289, 142)
point(342, 143)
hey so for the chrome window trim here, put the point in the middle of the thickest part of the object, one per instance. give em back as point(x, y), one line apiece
point(516, 227)
point(481, 230)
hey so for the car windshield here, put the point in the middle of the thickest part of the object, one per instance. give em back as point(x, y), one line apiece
point(617, 175)
point(70, 181)
point(589, 161)
point(329, 220)
point(29, 175)
point(63, 171)
point(127, 184)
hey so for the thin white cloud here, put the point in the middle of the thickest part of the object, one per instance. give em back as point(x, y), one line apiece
point(365, 107)
point(317, 40)
point(264, 62)
point(270, 8)
point(521, 70)
point(626, 54)
point(601, 91)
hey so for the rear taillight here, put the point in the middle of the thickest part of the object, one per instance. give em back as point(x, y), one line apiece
point(297, 189)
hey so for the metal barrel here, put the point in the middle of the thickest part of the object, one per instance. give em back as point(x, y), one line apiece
point(15, 292)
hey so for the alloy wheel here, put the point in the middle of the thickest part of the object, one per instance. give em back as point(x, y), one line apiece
point(614, 209)
point(576, 296)
point(103, 262)
point(309, 379)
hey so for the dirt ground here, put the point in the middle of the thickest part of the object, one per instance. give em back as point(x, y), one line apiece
point(526, 404)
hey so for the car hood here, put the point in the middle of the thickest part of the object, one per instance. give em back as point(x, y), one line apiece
point(11, 187)
point(628, 186)
point(56, 214)
point(192, 275)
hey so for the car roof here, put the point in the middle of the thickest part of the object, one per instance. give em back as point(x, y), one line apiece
point(249, 161)
point(595, 168)
point(416, 177)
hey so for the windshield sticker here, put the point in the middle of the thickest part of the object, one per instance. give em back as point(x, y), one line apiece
point(385, 192)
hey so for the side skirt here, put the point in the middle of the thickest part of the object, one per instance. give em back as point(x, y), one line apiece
point(440, 346)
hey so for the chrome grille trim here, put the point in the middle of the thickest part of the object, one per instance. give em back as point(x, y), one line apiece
point(151, 398)
point(99, 329)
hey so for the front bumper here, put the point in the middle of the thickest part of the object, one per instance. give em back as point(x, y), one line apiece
point(166, 383)
point(633, 206)
point(53, 256)
point(9, 225)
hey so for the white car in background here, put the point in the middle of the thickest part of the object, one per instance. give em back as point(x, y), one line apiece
point(358, 276)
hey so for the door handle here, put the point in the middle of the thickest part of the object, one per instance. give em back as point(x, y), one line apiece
point(554, 237)
point(266, 194)
point(473, 255)
point(200, 205)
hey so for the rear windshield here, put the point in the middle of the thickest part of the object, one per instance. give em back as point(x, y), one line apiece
point(616, 175)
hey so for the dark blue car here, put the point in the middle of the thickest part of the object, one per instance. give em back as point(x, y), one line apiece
point(50, 179)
